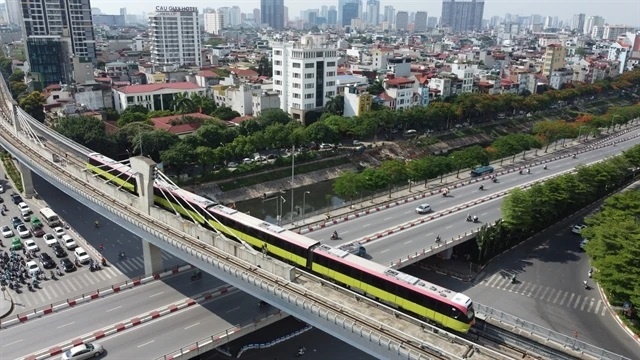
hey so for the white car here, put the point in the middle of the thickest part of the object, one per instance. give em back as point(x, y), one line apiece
point(7, 232)
point(577, 228)
point(59, 232)
point(1, 189)
point(24, 208)
point(423, 209)
point(247, 161)
point(81, 255)
point(83, 351)
point(23, 231)
point(49, 239)
point(31, 245)
point(33, 268)
point(68, 242)
point(583, 243)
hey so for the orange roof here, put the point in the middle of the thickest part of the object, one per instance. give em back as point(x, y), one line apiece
point(240, 119)
point(137, 89)
point(400, 81)
point(207, 74)
point(165, 123)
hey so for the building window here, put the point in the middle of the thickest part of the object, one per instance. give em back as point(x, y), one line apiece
point(308, 86)
point(277, 52)
point(308, 96)
point(129, 99)
point(330, 94)
point(331, 83)
point(295, 106)
point(278, 82)
point(296, 86)
point(277, 63)
point(278, 72)
point(308, 106)
point(296, 75)
point(309, 76)
point(331, 73)
point(309, 66)
point(296, 65)
point(296, 96)
point(331, 63)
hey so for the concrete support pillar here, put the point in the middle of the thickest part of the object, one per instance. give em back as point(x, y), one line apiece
point(143, 169)
point(27, 181)
point(152, 258)
point(14, 118)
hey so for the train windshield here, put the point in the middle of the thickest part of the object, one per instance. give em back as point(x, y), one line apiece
point(471, 312)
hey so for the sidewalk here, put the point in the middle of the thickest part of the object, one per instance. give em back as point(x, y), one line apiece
point(416, 191)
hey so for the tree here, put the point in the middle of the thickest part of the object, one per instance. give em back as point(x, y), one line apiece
point(136, 109)
point(273, 116)
point(159, 113)
point(179, 156)
point(203, 104)
point(16, 76)
point(376, 88)
point(348, 185)
point(33, 104)
point(335, 105)
point(320, 132)
point(17, 88)
point(153, 143)
point(265, 67)
point(111, 114)
point(183, 104)
point(86, 130)
point(225, 113)
point(131, 117)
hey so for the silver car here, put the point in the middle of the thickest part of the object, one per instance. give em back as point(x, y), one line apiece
point(84, 351)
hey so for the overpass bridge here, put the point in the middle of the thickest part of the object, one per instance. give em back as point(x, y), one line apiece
point(379, 330)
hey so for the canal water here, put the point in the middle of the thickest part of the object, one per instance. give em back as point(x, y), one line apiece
point(317, 198)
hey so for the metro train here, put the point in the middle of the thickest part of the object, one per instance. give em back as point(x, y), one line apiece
point(408, 293)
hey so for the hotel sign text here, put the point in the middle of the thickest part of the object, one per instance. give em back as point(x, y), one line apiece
point(177, 8)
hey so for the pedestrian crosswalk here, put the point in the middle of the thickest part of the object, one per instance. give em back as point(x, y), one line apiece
point(553, 296)
point(135, 265)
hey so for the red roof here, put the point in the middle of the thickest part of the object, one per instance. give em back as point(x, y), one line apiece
point(208, 74)
point(136, 89)
point(240, 119)
point(400, 81)
point(165, 123)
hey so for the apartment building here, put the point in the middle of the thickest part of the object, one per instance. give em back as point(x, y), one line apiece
point(304, 74)
point(175, 36)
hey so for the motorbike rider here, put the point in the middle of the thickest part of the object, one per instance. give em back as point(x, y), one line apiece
point(475, 218)
point(334, 235)
point(481, 187)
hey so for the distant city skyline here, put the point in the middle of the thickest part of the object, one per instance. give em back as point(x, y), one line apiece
point(625, 12)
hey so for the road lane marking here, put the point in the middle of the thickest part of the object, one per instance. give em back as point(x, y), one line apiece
point(575, 305)
point(39, 293)
point(557, 296)
point(387, 218)
point(449, 227)
point(71, 323)
point(429, 234)
point(145, 344)
point(551, 294)
point(190, 326)
point(538, 292)
point(584, 302)
point(564, 298)
point(591, 303)
point(531, 292)
point(498, 286)
point(115, 308)
point(154, 295)
point(604, 310)
point(53, 290)
point(570, 300)
point(234, 309)
point(11, 343)
point(517, 289)
point(344, 232)
point(384, 251)
point(484, 213)
point(408, 242)
point(46, 293)
point(64, 285)
point(408, 212)
point(365, 225)
point(81, 279)
point(546, 290)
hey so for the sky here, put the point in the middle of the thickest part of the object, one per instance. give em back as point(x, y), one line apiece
point(625, 12)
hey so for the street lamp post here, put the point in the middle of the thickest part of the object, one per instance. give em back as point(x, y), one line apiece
point(293, 166)
point(304, 198)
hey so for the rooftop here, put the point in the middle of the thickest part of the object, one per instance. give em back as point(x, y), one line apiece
point(137, 89)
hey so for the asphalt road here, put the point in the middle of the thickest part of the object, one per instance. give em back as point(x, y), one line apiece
point(364, 226)
point(45, 332)
point(550, 268)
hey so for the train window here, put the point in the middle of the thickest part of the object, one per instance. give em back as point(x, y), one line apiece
point(454, 313)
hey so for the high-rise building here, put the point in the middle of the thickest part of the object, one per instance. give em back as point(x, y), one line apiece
point(324, 11)
point(68, 18)
point(175, 36)
point(548, 22)
point(577, 23)
point(611, 32)
point(373, 12)
point(461, 15)
point(389, 14)
point(553, 59)
point(591, 22)
point(304, 75)
point(432, 22)
point(213, 22)
point(332, 16)
point(272, 13)
point(235, 16)
point(123, 13)
point(14, 12)
point(341, 4)
point(402, 20)
point(257, 16)
point(349, 12)
point(420, 22)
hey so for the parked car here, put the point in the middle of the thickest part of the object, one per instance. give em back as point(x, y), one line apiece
point(58, 251)
point(81, 255)
point(7, 232)
point(577, 228)
point(31, 245)
point(67, 265)
point(59, 232)
point(583, 243)
point(232, 165)
point(49, 239)
point(33, 268)
point(46, 261)
point(37, 231)
point(423, 209)
point(16, 244)
point(15, 221)
point(247, 161)
point(17, 199)
point(24, 208)
point(68, 242)
point(23, 231)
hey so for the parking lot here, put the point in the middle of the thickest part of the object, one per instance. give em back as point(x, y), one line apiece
point(69, 284)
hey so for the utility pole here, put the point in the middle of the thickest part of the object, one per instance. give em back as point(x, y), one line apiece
point(293, 163)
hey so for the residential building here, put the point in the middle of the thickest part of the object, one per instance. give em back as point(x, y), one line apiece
point(441, 86)
point(462, 15)
point(464, 72)
point(272, 13)
point(332, 16)
point(398, 93)
point(373, 12)
point(49, 60)
point(597, 32)
point(349, 12)
point(214, 22)
point(108, 20)
point(264, 100)
point(432, 22)
point(175, 36)
point(356, 102)
point(14, 12)
point(577, 23)
point(559, 77)
point(626, 51)
point(553, 59)
point(304, 74)
point(420, 22)
point(611, 32)
point(153, 96)
point(67, 18)
point(240, 98)
point(402, 20)
point(591, 22)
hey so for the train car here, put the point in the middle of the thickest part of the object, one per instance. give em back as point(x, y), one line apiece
point(403, 291)
point(112, 171)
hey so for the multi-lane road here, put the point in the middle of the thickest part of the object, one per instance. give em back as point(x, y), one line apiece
point(414, 239)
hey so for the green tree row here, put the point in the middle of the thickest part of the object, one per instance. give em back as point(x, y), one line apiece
point(525, 212)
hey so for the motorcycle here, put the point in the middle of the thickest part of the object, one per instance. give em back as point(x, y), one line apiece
point(301, 351)
point(196, 276)
point(59, 272)
point(262, 304)
point(495, 180)
point(586, 285)
point(514, 280)
point(29, 287)
point(104, 262)
point(122, 255)
point(590, 273)
point(334, 236)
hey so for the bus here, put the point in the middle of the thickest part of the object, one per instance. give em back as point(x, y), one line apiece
point(482, 170)
point(49, 217)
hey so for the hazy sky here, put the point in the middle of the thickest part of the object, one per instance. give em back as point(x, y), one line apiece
point(614, 11)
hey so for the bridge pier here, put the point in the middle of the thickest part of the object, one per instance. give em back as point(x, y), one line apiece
point(152, 256)
point(143, 169)
point(27, 181)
